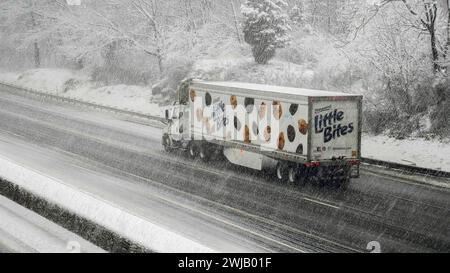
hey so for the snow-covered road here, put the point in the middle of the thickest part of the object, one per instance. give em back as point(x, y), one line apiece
point(119, 204)
point(217, 205)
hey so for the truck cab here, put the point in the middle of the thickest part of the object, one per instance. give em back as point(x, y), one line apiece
point(177, 120)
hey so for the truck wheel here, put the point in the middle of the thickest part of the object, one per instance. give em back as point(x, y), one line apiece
point(192, 150)
point(282, 172)
point(166, 143)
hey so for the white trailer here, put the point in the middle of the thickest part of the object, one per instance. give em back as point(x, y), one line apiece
point(303, 133)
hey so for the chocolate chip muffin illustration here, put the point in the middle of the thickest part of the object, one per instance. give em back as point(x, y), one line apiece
point(291, 133)
point(281, 141)
point(192, 94)
point(299, 149)
point(233, 101)
point(237, 123)
point(262, 110)
point(303, 126)
point(267, 132)
point(246, 134)
point(277, 110)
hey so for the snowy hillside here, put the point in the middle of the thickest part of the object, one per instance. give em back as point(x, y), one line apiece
point(71, 83)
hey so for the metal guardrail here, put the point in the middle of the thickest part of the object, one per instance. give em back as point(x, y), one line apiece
point(370, 161)
point(406, 168)
point(77, 101)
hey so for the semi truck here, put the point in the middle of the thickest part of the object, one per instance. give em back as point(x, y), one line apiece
point(301, 134)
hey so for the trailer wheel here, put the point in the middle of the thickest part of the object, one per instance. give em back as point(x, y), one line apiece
point(343, 184)
point(203, 152)
point(341, 181)
point(292, 174)
point(302, 175)
point(192, 150)
point(282, 171)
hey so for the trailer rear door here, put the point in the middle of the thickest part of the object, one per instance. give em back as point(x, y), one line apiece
point(335, 132)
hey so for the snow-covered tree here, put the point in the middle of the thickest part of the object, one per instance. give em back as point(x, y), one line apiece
point(297, 14)
point(265, 28)
point(29, 25)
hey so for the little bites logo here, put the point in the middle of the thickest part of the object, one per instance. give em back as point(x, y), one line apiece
point(330, 124)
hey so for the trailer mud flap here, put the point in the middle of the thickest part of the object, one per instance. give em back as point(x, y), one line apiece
point(354, 171)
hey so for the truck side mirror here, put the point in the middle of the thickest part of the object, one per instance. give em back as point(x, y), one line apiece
point(167, 114)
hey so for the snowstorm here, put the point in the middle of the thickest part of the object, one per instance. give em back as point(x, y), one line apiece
point(224, 126)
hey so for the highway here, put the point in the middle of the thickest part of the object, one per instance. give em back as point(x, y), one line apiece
point(222, 206)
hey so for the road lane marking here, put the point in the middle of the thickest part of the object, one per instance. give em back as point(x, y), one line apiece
point(320, 203)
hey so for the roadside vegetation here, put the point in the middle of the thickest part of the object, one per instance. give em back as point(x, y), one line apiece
point(395, 53)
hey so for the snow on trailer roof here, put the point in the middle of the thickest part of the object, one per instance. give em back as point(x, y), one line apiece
point(274, 89)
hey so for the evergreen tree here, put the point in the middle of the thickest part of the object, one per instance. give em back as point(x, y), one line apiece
point(265, 28)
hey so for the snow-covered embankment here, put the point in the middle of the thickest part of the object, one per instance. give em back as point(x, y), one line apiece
point(431, 154)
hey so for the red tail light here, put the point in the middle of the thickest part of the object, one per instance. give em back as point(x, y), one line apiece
point(354, 162)
point(312, 164)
